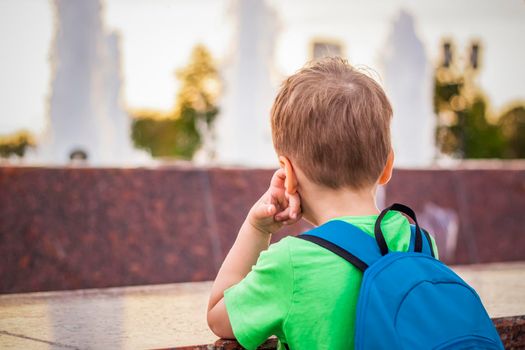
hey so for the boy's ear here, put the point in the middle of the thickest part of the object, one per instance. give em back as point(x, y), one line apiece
point(387, 171)
point(290, 183)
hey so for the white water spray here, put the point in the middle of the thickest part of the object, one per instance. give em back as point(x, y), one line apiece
point(243, 126)
point(408, 82)
point(84, 107)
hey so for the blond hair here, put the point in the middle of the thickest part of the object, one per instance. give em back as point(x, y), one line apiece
point(334, 122)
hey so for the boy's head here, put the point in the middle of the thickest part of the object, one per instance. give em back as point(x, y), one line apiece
point(333, 122)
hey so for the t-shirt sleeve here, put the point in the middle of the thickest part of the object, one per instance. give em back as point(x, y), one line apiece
point(258, 305)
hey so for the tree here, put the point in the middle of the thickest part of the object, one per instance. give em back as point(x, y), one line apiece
point(512, 124)
point(179, 133)
point(465, 129)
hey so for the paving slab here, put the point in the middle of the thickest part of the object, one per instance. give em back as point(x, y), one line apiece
point(173, 315)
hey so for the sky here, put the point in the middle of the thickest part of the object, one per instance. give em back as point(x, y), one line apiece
point(157, 37)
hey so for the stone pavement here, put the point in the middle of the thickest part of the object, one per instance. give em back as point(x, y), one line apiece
point(173, 315)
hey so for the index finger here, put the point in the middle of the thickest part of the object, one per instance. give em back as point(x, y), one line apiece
point(278, 178)
point(295, 205)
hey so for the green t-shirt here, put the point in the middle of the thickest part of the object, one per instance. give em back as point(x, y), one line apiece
point(304, 294)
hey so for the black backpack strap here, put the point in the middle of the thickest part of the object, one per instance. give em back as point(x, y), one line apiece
point(418, 239)
point(360, 249)
point(428, 247)
point(347, 241)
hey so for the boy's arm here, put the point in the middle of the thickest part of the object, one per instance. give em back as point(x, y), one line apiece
point(273, 210)
point(243, 255)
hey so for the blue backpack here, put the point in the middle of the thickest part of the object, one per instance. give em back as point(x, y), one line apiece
point(407, 300)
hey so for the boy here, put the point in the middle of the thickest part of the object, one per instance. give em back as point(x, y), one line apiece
point(331, 131)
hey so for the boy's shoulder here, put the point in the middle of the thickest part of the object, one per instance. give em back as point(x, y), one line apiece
point(292, 246)
point(300, 254)
point(395, 227)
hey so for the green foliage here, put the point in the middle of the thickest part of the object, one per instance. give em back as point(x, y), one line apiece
point(15, 144)
point(464, 129)
point(177, 134)
point(512, 125)
point(444, 92)
point(164, 137)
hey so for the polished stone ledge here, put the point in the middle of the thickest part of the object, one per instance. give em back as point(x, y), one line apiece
point(172, 316)
point(76, 228)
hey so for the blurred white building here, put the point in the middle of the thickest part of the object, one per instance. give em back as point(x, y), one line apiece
point(271, 39)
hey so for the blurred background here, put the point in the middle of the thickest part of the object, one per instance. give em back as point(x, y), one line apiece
point(133, 82)
point(135, 134)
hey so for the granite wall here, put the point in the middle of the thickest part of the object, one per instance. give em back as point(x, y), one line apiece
point(69, 228)
point(511, 331)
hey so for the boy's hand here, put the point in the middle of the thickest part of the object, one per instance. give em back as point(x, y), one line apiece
point(276, 207)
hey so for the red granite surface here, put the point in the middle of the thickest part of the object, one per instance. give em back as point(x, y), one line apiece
point(489, 204)
point(511, 331)
point(70, 228)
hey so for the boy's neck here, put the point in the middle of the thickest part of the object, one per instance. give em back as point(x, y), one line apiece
point(321, 205)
